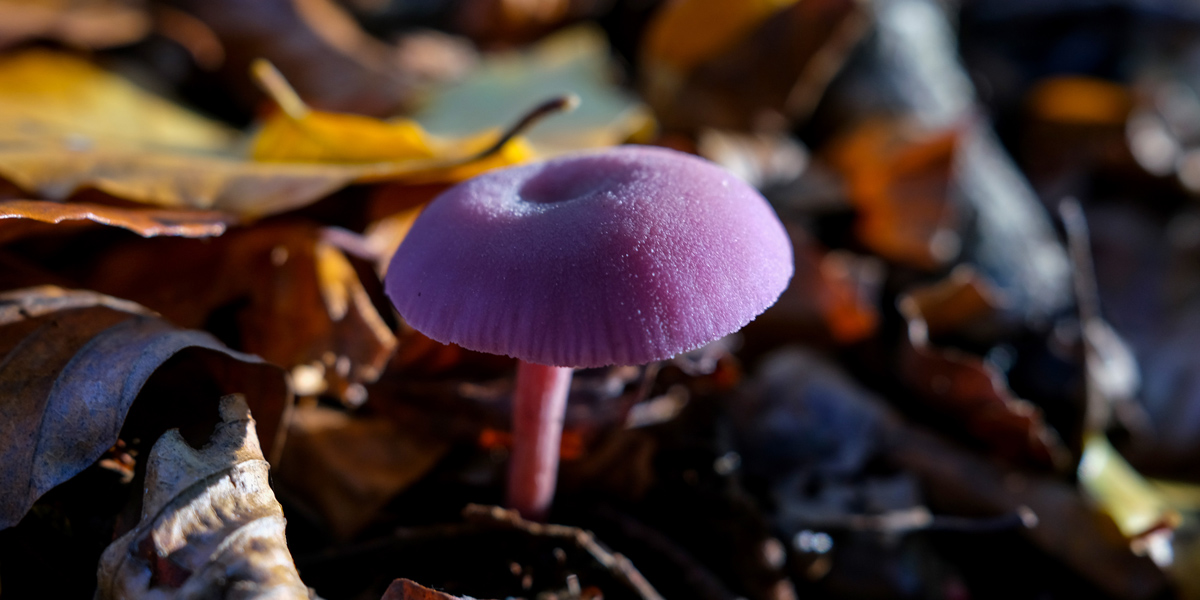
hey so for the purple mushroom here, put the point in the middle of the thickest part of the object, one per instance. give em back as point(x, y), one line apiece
point(617, 257)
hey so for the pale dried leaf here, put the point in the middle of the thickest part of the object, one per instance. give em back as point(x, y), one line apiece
point(210, 526)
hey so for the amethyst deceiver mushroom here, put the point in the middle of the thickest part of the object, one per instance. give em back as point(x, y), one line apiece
point(616, 257)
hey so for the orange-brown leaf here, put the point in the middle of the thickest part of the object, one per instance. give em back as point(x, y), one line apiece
point(965, 388)
point(898, 179)
point(407, 589)
point(16, 216)
point(282, 291)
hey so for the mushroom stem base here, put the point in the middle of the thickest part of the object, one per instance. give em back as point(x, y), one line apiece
point(539, 405)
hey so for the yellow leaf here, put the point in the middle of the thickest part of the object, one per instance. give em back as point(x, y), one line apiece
point(1132, 502)
point(66, 125)
point(333, 137)
point(53, 97)
point(686, 33)
point(296, 133)
point(1081, 100)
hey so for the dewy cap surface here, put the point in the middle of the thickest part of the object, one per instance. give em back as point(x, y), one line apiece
point(621, 256)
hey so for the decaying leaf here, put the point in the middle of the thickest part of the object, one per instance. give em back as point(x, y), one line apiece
point(754, 65)
point(280, 290)
point(316, 43)
point(66, 125)
point(898, 179)
point(79, 23)
point(59, 100)
point(73, 364)
point(964, 387)
point(407, 589)
point(347, 467)
point(504, 86)
point(19, 218)
point(210, 524)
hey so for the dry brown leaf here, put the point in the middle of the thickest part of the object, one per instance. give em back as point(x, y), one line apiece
point(407, 589)
point(332, 62)
point(280, 289)
point(756, 65)
point(78, 23)
point(19, 218)
point(898, 179)
point(347, 467)
point(73, 364)
point(210, 524)
point(965, 388)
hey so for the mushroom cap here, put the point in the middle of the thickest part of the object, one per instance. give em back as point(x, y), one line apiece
point(621, 256)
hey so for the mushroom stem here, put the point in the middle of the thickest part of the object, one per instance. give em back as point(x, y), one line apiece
point(539, 405)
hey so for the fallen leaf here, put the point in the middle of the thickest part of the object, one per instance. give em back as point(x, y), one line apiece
point(965, 388)
point(54, 99)
point(329, 58)
point(504, 86)
point(66, 125)
point(74, 362)
point(348, 467)
point(898, 180)
point(278, 290)
point(296, 133)
point(1080, 100)
point(210, 524)
point(754, 65)
point(406, 589)
point(76, 23)
point(686, 33)
point(23, 217)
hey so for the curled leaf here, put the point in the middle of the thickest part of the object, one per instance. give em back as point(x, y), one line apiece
point(73, 364)
point(17, 217)
point(210, 524)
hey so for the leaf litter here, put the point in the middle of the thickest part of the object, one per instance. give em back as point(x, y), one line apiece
point(930, 409)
